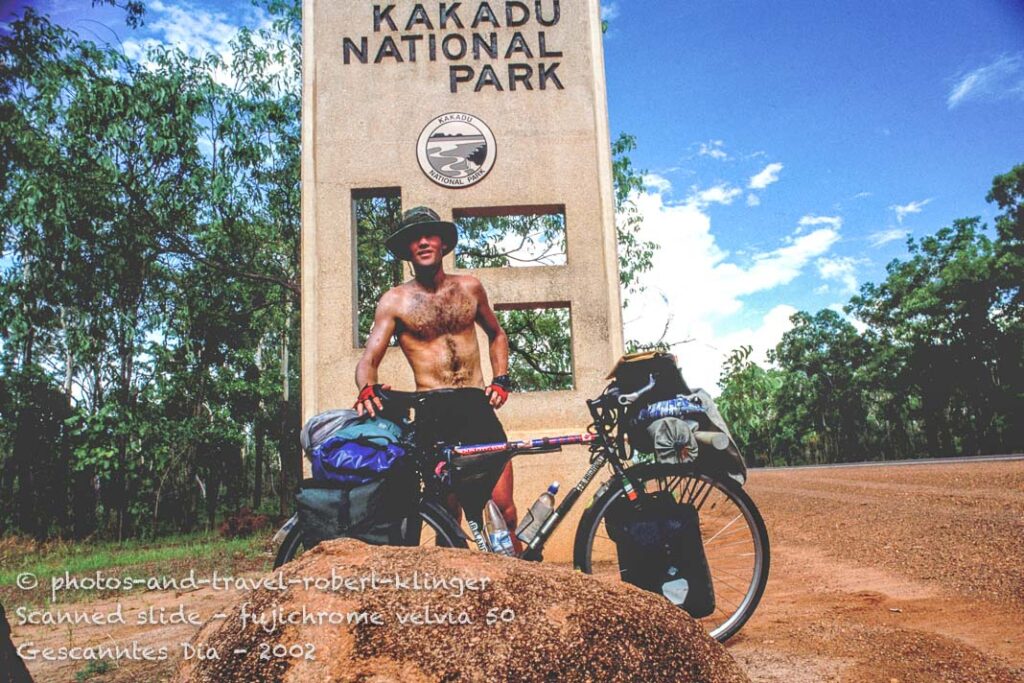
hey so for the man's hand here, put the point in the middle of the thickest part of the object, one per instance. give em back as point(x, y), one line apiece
point(370, 398)
point(497, 392)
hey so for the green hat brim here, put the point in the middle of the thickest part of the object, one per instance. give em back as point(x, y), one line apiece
point(398, 242)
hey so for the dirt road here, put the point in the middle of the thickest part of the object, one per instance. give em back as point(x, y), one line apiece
point(908, 574)
point(911, 573)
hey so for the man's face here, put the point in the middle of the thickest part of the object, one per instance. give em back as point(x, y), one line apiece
point(426, 250)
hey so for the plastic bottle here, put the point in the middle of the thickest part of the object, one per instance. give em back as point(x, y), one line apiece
point(538, 514)
point(498, 537)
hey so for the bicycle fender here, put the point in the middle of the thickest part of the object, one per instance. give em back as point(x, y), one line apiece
point(441, 512)
point(600, 492)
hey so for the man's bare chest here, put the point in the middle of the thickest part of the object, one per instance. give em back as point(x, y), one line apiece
point(429, 316)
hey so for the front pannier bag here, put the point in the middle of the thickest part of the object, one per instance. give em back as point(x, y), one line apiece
point(660, 550)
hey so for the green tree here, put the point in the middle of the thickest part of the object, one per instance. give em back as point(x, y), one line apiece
point(748, 403)
point(938, 371)
point(819, 359)
point(944, 311)
point(151, 236)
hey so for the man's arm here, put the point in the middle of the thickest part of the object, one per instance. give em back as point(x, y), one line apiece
point(384, 322)
point(498, 346)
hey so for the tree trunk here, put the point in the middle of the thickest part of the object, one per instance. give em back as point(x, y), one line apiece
point(261, 440)
point(284, 493)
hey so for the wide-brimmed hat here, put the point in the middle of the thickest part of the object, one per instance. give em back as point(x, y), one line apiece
point(419, 221)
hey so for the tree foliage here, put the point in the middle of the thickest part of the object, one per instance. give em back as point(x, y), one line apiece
point(937, 371)
point(149, 279)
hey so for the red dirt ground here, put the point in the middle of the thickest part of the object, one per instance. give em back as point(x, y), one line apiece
point(899, 573)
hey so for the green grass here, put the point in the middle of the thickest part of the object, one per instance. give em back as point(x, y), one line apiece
point(93, 668)
point(90, 559)
point(171, 555)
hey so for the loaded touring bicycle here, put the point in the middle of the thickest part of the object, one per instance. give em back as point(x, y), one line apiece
point(672, 518)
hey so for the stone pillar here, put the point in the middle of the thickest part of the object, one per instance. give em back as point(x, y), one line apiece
point(377, 75)
point(378, 79)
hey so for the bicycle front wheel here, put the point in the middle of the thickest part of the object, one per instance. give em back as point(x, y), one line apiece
point(437, 528)
point(733, 532)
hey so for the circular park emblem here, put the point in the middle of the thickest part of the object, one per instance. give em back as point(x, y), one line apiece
point(456, 150)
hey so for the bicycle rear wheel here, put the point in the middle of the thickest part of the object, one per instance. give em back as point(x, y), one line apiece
point(733, 532)
point(437, 528)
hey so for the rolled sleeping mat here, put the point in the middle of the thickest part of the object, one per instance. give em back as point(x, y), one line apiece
point(716, 440)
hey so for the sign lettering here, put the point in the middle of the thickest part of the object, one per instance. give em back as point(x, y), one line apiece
point(432, 36)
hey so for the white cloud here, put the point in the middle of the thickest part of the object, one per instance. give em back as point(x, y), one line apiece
point(702, 362)
point(658, 183)
point(696, 286)
point(841, 269)
point(809, 221)
point(195, 31)
point(713, 149)
point(774, 324)
point(722, 193)
point(609, 11)
point(1002, 79)
point(885, 236)
point(753, 200)
point(903, 210)
point(768, 175)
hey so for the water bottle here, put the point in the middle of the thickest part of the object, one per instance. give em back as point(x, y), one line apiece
point(538, 514)
point(498, 537)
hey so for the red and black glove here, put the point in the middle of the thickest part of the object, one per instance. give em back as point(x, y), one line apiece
point(370, 396)
point(498, 390)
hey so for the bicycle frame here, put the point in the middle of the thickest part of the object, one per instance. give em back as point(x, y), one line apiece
point(539, 445)
point(605, 453)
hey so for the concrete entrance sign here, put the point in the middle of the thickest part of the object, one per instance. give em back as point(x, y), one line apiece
point(470, 108)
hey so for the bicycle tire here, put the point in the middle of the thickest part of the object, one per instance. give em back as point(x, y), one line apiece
point(721, 503)
point(447, 533)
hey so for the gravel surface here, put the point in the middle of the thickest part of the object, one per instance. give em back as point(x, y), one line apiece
point(910, 574)
point(561, 626)
point(960, 526)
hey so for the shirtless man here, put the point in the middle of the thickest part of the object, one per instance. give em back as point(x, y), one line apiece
point(434, 316)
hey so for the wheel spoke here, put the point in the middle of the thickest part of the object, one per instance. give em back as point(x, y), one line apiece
point(736, 552)
point(716, 580)
point(731, 522)
point(719, 545)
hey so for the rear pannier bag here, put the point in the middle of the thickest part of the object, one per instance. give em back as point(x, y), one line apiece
point(660, 550)
point(373, 512)
point(362, 486)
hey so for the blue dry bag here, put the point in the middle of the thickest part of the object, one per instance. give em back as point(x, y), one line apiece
point(360, 452)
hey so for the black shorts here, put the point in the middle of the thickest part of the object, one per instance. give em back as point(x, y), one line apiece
point(457, 416)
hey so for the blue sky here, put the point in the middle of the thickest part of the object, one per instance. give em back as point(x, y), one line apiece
point(793, 146)
point(790, 147)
